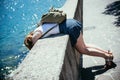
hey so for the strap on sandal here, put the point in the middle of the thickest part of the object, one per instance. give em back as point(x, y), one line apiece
point(109, 66)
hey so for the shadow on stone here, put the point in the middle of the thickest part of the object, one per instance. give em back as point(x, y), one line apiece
point(90, 72)
point(114, 9)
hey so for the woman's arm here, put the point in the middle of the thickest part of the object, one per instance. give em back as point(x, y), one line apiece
point(36, 35)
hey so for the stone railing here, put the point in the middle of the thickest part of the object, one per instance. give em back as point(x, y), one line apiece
point(50, 59)
point(73, 8)
point(53, 58)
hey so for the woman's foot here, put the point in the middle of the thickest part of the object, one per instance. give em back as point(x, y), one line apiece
point(109, 61)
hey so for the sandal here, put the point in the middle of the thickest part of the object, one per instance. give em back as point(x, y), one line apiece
point(109, 62)
point(109, 65)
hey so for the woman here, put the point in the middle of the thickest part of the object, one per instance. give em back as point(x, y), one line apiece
point(74, 29)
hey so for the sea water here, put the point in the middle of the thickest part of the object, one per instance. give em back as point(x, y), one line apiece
point(17, 19)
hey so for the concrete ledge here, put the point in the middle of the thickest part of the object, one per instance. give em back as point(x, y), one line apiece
point(50, 59)
point(74, 9)
point(70, 8)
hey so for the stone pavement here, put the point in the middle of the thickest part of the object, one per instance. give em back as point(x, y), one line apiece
point(100, 30)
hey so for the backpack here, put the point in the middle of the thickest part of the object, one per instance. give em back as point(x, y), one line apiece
point(53, 16)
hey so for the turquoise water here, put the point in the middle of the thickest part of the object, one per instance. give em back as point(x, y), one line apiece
point(17, 18)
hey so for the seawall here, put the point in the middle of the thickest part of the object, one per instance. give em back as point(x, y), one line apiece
point(53, 58)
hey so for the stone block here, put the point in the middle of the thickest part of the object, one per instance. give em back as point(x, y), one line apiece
point(51, 58)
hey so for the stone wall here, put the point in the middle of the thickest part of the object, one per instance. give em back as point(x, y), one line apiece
point(71, 66)
point(79, 11)
point(74, 9)
point(50, 59)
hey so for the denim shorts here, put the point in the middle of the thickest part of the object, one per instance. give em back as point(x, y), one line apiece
point(71, 27)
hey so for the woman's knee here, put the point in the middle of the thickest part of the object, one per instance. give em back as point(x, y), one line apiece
point(82, 50)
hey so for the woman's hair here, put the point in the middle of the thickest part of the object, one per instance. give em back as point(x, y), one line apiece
point(28, 41)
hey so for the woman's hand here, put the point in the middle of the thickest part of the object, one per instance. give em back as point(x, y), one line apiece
point(29, 37)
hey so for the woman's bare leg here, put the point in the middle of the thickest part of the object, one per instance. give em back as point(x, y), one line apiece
point(97, 48)
point(88, 50)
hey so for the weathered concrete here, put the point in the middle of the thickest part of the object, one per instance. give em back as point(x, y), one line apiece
point(70, 8)
point(74, 9)
point(70, 69)
point(50, 59)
